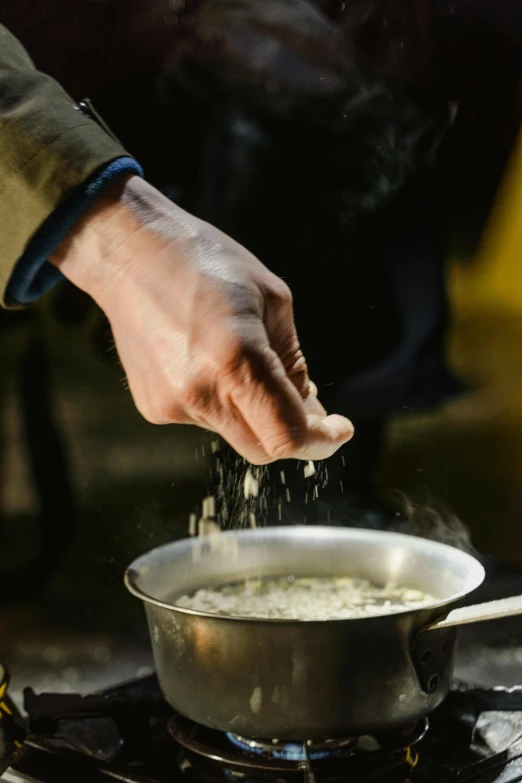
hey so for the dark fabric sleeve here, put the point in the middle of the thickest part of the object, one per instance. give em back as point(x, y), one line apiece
point(33, 275)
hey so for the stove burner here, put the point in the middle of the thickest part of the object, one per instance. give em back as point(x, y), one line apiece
point(359, 757)
point(294, 751)
point(147, 753)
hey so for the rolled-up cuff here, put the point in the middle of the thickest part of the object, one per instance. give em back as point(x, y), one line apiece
point(33, 275)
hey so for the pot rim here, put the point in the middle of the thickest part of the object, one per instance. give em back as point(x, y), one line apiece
point(476, 578)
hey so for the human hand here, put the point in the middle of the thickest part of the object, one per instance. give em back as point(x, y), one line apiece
point(204, 331)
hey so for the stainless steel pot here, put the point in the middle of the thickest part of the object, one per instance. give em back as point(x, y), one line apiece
point(307, 680)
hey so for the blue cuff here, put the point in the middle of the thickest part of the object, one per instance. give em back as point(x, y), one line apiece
point(33, 275)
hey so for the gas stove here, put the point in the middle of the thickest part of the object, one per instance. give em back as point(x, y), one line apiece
point(130, 734)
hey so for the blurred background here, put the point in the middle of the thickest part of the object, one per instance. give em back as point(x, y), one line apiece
point(86, 484)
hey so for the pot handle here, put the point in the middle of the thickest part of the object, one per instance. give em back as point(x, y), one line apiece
point(478, 613)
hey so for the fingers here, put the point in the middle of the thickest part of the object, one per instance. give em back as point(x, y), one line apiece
point(325, 435)
point(268, 401)
point(283, 425)
point(241, 437)
point(312, 405)
point(282, 334)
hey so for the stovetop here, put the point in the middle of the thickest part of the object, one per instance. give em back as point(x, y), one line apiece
point(130, 734)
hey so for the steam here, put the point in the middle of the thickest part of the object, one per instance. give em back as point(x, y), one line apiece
point(435, 522)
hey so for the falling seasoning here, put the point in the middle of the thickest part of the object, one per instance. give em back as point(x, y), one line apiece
point(309, 469)
point(251, 486)
point(209, 507)
point(242, 492)
point(207, 527)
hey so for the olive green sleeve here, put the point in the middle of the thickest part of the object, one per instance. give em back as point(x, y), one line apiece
point(48, 148)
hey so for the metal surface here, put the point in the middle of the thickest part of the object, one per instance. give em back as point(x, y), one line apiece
point(491, 610)
point(40, 764)
point(291, 679)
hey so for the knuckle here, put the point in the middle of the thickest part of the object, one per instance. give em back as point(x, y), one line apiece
point(260, 461)
point(279, 291)
point(192, 394)
point(238, 352)
point(285, 445)
point(231, 354)
point(197, 397)
point(297, 369)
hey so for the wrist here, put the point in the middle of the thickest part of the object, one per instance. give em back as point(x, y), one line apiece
point(117, 236)
point(84, 255)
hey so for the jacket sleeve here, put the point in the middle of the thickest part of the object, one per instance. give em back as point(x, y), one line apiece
point(33, 276)
point(48, 149)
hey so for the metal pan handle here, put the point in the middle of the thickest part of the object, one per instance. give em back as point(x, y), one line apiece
point(478, 613)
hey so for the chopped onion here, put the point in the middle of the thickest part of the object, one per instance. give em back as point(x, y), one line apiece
point(301, 598)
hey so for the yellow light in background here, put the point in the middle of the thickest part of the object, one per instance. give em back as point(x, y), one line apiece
point(494, 280)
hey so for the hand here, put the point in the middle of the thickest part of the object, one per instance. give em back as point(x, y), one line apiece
point(204, 331)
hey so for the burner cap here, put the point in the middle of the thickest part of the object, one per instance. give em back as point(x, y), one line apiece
point(293, 751)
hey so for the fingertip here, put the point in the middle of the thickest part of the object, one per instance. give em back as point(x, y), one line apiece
point(340, 427)
point(325, 436)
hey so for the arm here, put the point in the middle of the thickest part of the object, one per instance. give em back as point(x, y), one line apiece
point(204, 331)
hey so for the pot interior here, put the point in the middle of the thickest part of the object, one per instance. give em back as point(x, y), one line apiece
point(187, 565)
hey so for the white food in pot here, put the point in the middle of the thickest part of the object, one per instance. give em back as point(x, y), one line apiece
point(312, 598)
